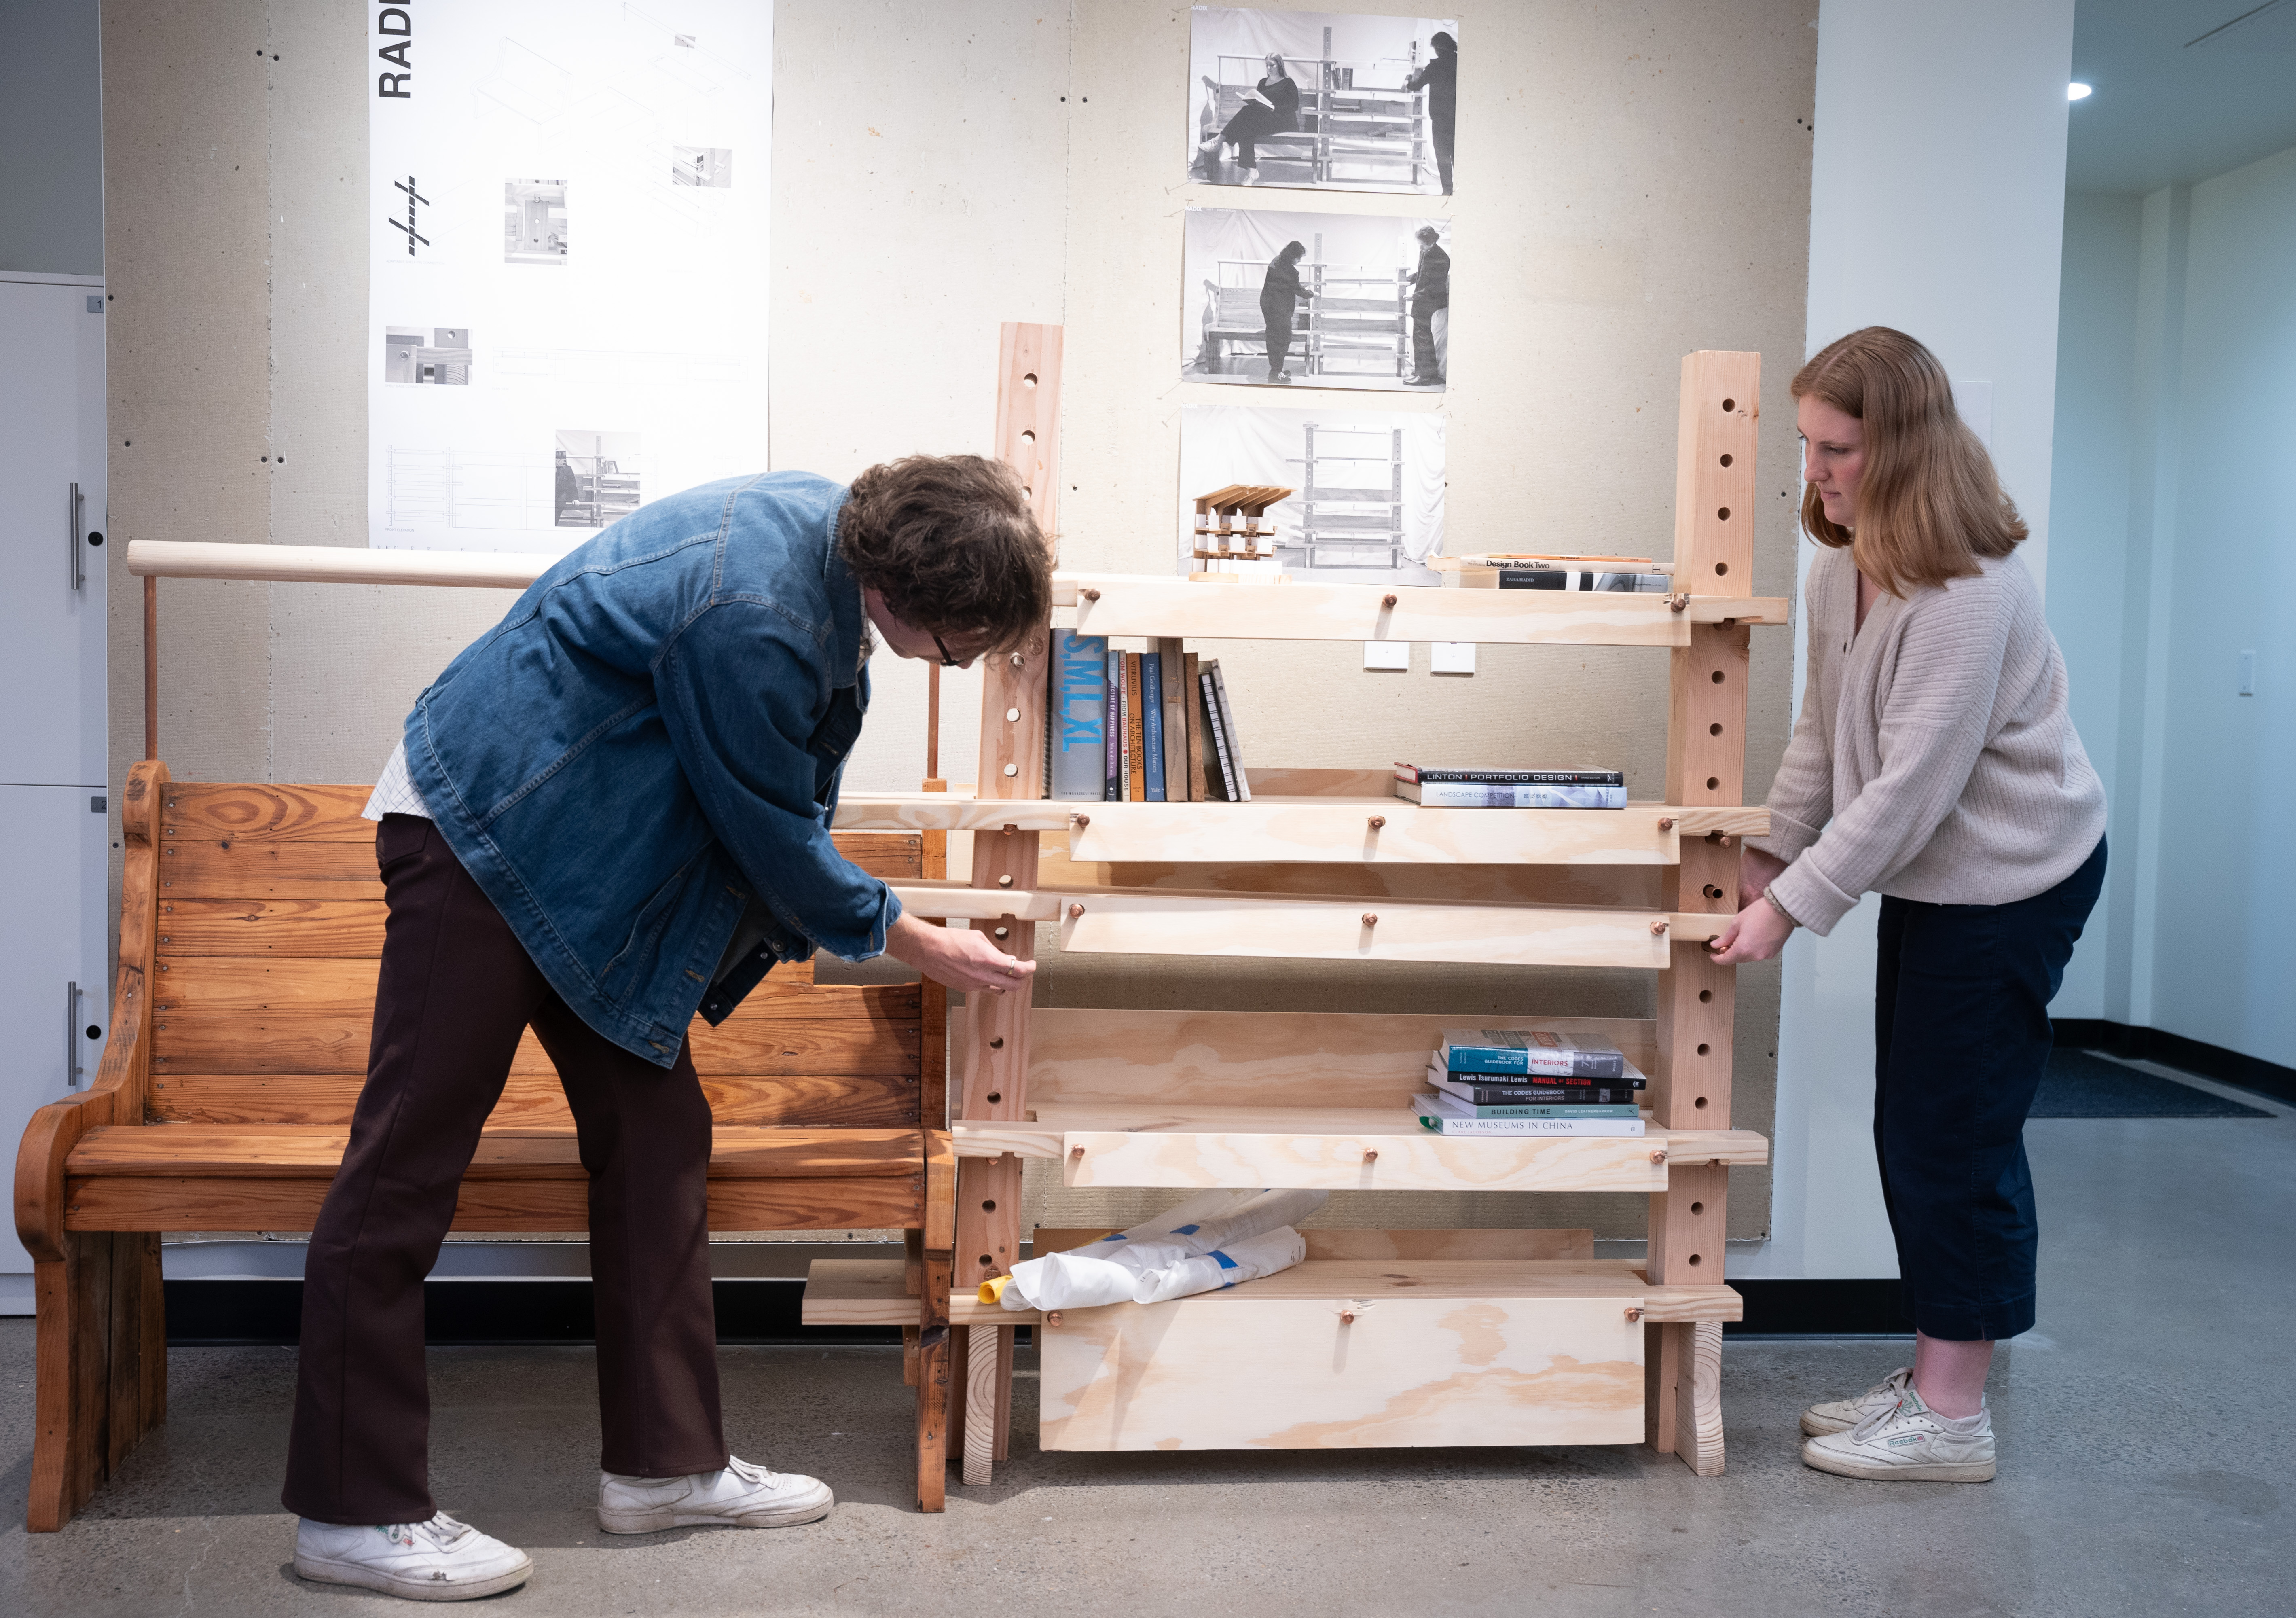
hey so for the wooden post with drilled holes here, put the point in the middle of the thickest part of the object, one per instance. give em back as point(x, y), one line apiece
point(1705, 766)
point(995, 1046)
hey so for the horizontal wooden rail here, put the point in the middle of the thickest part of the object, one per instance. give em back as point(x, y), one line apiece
point(334, 564)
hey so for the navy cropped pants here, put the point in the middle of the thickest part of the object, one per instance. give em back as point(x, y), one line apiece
point(1961, 1036)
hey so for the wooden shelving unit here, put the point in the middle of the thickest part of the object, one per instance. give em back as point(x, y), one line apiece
point(1381, 1338)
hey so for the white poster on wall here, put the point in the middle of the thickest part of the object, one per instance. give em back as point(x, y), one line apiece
point(1366, 501)
point(567, 298)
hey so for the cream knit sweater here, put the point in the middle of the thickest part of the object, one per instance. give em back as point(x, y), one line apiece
point(1934, 759)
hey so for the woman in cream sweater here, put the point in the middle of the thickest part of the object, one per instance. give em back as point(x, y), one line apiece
point(1933, 763)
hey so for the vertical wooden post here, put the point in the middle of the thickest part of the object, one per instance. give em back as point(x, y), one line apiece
point(995, 1054)
point(151, 667)
point(1705, 766)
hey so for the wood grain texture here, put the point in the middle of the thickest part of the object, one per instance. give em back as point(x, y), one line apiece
point(930, 1310)
point(1302, 929)
point(1638, 887)
point(265, 811)
point(871, 1292)
point(1698, 1399)
point(313, 1152)
point(1180, 1058)
point(1716, 437)
point(1155, 604)
point(1385, 1245)
point(534, 1100)
point(211, 1202)
point(980, 1405)
point(1346, 1358)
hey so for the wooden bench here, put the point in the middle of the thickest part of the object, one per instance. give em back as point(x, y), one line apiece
point(1231, 314)
point(250, 930)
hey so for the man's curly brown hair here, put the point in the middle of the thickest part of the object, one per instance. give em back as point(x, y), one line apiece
point(949, 540)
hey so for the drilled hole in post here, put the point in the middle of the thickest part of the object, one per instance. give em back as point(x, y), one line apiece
point(994, 1097)
point(1705, 995)
point(1699, 1102)
point(1696, 1259)
point(1726, 460)
point(1727, 404)
point(1698, 1207)
point(1713, 782)
point(1029, 379)
point(1721, 514)
point(1013, 716)
point(990, 1207)
point(1703, 1049)
point(1722, 567)
point(985, 1259)
point(1714, 730)
point(1029, 436)
point(1718, 677)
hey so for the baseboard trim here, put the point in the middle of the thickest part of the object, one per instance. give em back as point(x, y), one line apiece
point(1858, 1308)
point(215, 1314)
point(2174, 1051)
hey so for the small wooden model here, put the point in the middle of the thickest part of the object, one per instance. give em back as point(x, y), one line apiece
point(1216, 540)
point(1381, 1338)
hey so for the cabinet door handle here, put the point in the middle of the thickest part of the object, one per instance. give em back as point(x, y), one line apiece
point(75, 574)
point(72, 1034)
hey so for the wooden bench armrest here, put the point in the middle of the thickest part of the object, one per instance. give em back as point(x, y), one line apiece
point(57, 1127)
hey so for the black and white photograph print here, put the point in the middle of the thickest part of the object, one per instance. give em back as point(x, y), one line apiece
point(427, 356)
point(533, 222)
point(708, 166)
point(597, 477)
point(1365, 500)
point(1315, 299)
point(1322, 100)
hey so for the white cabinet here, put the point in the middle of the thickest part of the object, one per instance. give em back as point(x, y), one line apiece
point(55, 988)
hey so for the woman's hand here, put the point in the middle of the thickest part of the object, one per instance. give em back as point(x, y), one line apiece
point(1755, 933)
point(957, 956)
point(1756, 872)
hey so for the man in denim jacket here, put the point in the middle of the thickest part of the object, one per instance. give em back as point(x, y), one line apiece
point(612, 812)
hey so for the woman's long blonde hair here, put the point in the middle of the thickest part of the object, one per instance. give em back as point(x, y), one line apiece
point(1928, 502)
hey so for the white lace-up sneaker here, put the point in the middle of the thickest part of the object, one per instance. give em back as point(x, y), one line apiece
point(1909, 1440)
point(1840, 1415)
point(741, 1496)
point(439, 1560)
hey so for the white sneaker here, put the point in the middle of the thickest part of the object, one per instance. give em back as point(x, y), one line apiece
point(1840, 1415)
point(741, 1496)
point(439, 1560)
point(1909, 1440)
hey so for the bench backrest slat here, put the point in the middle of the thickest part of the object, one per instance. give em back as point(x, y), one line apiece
point(271, 921)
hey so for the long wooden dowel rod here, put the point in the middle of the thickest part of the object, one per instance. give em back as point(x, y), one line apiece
point(151, 665)
point(334, 564)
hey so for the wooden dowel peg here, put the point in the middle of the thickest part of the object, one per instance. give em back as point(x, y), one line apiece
point(1347, 1317)
point(1053, 1317)
point(1657, 1156)
point(1080, 821)
point(1378, 821)
point(1634, 1313)
point(1371, 1154)
point(1005, 882)
point(1089, 595)
point(1387, 601)
point(1075, 1153)
point(1658, 929)
point(1075, 911)
point(1371, 918)
point(1666, 823)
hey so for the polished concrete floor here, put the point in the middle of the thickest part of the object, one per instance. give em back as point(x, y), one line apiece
point(2146, 1428)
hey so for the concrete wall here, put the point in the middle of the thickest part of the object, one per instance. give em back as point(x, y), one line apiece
point(1633, 186)
point(52, 132)
point(2179, 326)
point(1937, 198)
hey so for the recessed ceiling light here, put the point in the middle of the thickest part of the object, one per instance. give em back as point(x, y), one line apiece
point(2078, 91)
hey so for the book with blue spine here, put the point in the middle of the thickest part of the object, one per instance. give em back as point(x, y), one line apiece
point(1078, 724)
point(1500, 1050)
point(1152, 721)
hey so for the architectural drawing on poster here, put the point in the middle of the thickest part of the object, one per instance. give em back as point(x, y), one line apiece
point(1367, 501)
point(1328, 101)
point(1315, 299)
point(493, 328)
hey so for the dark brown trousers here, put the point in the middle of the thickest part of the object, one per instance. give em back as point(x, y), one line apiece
point(457, 990)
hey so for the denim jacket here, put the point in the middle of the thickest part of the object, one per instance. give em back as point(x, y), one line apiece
point(647, 749)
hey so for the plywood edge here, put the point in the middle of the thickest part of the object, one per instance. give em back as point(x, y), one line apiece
point(1733, 1148)
point(998, 1139)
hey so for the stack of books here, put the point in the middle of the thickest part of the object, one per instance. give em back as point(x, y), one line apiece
point(1150, 726)
point(1495, 1081)
point(1530, 570)
point(1510, 788)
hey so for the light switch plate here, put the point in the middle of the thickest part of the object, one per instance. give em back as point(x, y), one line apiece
point(2248, 674)
point(1452, 657)
point(1395, 654)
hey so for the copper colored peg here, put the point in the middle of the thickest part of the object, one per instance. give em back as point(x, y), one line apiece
point(1665, 825)
point(1378, 821)
point(1053, 1317)
point(1077, 1152)
point(1387, 601)
point(1634, 1313)
point(1371, 1154)
point(1080, 821)
point(1677, 603)
point(1347, 1317)
point(1658, 929)
point(1075, 911)
point(1657, 1156)
point(1091, 595)
point(1371, 918)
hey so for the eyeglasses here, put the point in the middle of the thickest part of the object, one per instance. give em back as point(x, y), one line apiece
point(947, 661)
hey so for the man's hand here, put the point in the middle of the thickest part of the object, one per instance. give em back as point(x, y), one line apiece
point(1755, 933)
point(957, 956)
